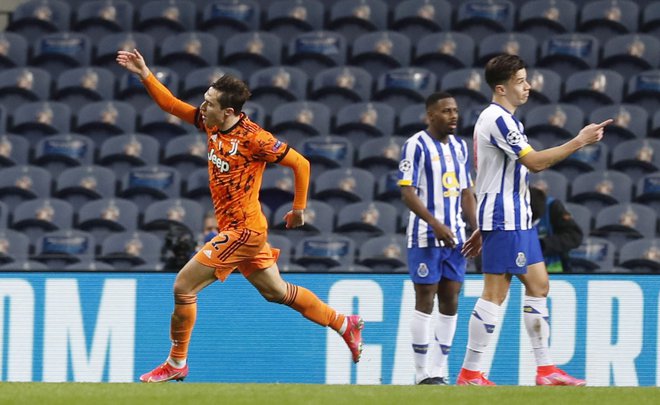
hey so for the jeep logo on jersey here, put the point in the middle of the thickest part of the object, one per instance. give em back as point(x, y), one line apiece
point(219, 163)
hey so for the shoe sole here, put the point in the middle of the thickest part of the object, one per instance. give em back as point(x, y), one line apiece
point(360, 326)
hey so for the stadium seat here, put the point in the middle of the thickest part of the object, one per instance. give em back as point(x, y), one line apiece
point(569, 53)
point(223, 19)
point(647, 191)
point(468, 87)
point(249, 52)
point(123, 250)
point(418, 18)
point(553, 123)
point(57, 249)
point(596, 190)
point(326, 152)
point(121, 153)
point(482, 18)
point(21, 183)
point(255, 112)
point(594, 254)
point(384, 253)
point(352, 19)
point(340, 187)
point(650, 23)
point(14, 246)
point(289, 18)
point(24, 265)
point(106, 216)
point(545, 89)
point(162, 18)
point(197, 188)
point(34, 120)
point(379, 52)
point(388, 190)
point(363, 221)
point(444, 52)
point(102, 119)
point(278, 84)
point(198, 81)
point(545, 18)
point(59, 152)
point(132, 91)
point(362, 121)
point(641, 256)
point(622, 223)
point(277, 187)
point(412, 119)
point(22, 85)
point(319, 219)
point(297, 120)
point(316, 51)
point(14, 150)
point(589, 158)
point(145, 185)
point(466, 121)
point(631, 54)
point(101, 17)
point(605, 19)
point(339, 86)
point(4, 215)
point(380, 156)
point(553, 183)
point(644, 90)
point(186, 153)
point(581, 215)
point(79, 87)
point(404, 86)
point(188, 51)
point(107, 47)
point(60, 52)
point(32, 19)
point(89, 265)
point(512, 43)
point(655, 126)
point(592, 89)
point(163, 126)
point(160, 216)
point(630, 122)
point(79, 185)
point(637, 157)
point(13, 50)
point(41, 215)
point(284, 245)
point(319, 253)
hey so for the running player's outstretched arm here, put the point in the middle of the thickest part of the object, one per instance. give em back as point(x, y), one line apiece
point(537, 161)
point(134, 62)
point(301, 170)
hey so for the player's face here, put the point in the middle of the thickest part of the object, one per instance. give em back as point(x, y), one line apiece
point(443, 116)
point(212, 113)
point(517, 88)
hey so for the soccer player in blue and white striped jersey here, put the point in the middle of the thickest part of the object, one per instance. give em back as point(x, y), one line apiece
point(510, 243)
point(434, 177)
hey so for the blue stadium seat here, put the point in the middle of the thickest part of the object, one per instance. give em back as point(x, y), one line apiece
point(553, 183)
point(352, 19)
point(198, 81)
point(226, 18)
point(589, 158)
point(319, 253)
point(553, 123)
point(13, 50)
point(21, 183)
point(644, 90)
point(197, 188)
point(316, 51)
point(379, 52)
point(404, 86)
point(443, 52)
point(642, 256)
point(14, 150)
point(255, 112)
point(32, 19)
point(300, 119)
point(79, 185)
point(145, 185)
point(41, 215)
point(101, 17)
point(326, 152)
point(647, 191)
point(605, 19)
point(594, 254)
point(188, 51)
point(319, 220)
point(132, 91)
point(120, 153)
point(107, 47)
point(380, 156)
point(637, 157)
point(339, 86)
point(592, 89)
point(482, 18)
point(569, 53)
point(162, 125)
point(22, 85)
point(412, 119)
point(418, 18)
point(277, 187)
point(278, 84)
point(631, 54)
point(106, 216)
point(512, 43)
point(630, 122)
point(34, 120)
point(289, 18)
point(14, 246)
point(363, 221)
point(106, 118)
point(597, 190)
point(545, 18)
point(161, 18)
point(384, 253)
point(79, 87)
point(362, 121)
point(250, 51)
point(468, 86)
point(60, 52)
point(581, 215)
point(124, 250)
point(340, 187)
point(59, 152)
point(160, 216)
point(545, 89)
point(186, 153)
point(622, 223)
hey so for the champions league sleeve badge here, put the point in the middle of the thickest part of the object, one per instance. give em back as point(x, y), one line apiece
point(405, 165)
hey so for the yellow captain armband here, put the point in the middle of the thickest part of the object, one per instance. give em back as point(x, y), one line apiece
point(525, 151)
point(405, 183)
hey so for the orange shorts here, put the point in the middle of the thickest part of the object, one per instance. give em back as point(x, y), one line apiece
point(244, 249)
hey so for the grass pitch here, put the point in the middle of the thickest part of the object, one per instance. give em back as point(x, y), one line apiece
point(182, 393)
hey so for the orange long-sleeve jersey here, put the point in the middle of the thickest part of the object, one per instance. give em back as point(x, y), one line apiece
point(237, 158)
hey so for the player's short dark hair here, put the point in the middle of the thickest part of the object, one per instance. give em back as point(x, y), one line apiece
point(502, 68)
point(437, 96)
point(234, 92)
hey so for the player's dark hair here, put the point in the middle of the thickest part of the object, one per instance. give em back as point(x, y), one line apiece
point(435, 97)
point(502, 68)
point(234, 92)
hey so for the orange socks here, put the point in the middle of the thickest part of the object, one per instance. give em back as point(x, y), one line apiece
point(311, 307)
point(181, 325)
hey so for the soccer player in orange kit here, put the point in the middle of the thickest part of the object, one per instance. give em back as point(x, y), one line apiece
point(238, 150)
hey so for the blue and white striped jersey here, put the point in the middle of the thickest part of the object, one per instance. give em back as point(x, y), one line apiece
point(438, 172)
point(502, 184)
